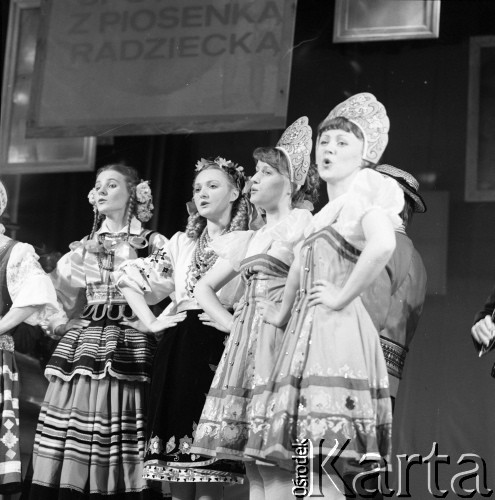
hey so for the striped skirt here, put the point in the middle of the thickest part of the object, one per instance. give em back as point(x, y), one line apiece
point(10, 453)
point(90, 440)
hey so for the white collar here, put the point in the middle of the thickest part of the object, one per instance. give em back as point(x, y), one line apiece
point(136, 228)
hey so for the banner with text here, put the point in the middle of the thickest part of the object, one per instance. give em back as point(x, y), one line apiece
point(125, 67)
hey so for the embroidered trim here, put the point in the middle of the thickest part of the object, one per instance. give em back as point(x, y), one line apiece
point(115, 312)
point(395, 356)
point(190, 475)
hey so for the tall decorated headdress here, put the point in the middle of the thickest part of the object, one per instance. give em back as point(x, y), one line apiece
point(371, 117)
point(296, 144)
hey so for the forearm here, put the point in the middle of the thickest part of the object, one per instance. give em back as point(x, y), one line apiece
point(370, 264)
point(208, 300)
point(290, 291)
point(15, 317)
point(138, 304)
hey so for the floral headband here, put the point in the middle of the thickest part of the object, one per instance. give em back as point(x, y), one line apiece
point(233, 170)
point(144, 201)
point(219, 162)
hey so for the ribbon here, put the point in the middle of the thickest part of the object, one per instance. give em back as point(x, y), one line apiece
point(305, 204)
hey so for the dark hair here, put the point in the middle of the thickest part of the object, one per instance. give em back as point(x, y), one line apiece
point(342, 123)
point(407, 212)
point(276, 159)
point(240, 208)
point(132, 180)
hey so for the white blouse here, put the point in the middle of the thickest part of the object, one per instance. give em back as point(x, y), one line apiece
point(71, 277)
point(165, 273)
point(278, 241)
point(29, 285)
point(368, 191)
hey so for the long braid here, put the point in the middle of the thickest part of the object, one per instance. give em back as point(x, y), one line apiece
point(96, 222)
point(240, 215)
point(131, 210)
point(195, 225)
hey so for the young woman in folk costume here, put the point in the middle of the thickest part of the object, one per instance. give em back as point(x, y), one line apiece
point(26, 295)
point(330, 382)
point(187, 354)
point(284, 181)
point(91, 432)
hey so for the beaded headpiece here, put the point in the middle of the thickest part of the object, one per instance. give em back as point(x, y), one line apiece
point(371, 117)
point(3, 198)
point(296, 144)
point(407, 183)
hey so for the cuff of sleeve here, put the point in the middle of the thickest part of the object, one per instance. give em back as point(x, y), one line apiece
point(130, 276)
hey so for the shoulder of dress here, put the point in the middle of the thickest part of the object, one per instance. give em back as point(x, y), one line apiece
point(156, 239)
point(21, 250)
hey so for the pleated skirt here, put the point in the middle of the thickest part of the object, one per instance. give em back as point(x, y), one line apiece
point(90, 440)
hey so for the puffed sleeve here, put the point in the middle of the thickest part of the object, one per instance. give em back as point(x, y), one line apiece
point(69, 280)
point(288, 235)
point(151, 276)
point(29, 285)
point(232, 247)
point(370, 190)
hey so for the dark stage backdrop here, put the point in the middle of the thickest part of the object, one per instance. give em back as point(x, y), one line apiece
point(447, 395)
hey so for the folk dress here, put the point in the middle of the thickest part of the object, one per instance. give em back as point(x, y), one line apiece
point(330, 383)
point(23, 283)
point(184, 365)
point(263, 259)
point(91, 432)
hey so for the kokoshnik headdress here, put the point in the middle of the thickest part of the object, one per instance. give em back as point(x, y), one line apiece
point(371, 117)
point(296, 144)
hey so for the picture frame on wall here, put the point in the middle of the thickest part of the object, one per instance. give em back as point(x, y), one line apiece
point(18, 154)
point(480, 143)
point(375, 20)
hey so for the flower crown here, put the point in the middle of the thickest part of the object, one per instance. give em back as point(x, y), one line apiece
point(234, 170)
point(144, 201)
point(219, 162)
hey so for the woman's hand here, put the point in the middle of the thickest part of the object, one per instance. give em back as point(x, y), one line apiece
point(206, 320)
point(137, 324)
point(237, 309)
point(157, 326)
point(270, 312)
point(61, 330)
point(326, 294)
point(483, 331)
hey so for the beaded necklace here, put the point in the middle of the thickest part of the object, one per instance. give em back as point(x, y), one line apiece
point(203, 260)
